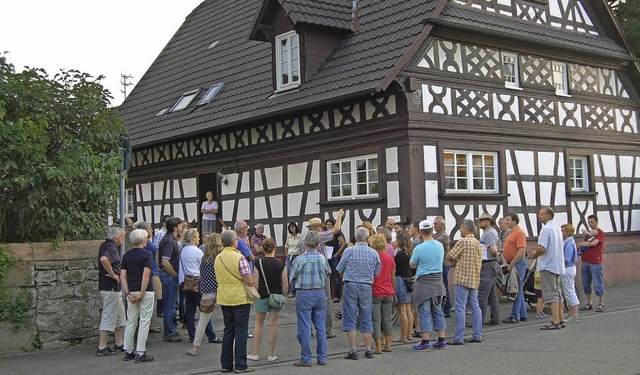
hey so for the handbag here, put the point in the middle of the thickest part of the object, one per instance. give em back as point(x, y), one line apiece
point(275, 300)
point(251, 291)
point(409, 283)
point(191, 284)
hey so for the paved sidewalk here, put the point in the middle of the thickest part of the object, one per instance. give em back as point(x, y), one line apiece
point(170, 358)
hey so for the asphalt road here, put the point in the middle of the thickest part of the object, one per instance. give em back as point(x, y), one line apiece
point(600, 343)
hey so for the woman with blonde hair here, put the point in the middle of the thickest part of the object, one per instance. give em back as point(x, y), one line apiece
point(208, 288)
point(271, 278)
point(383, 290)
point(404, 250)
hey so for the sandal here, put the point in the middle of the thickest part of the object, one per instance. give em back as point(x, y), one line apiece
point(600, 308)
point(454, 342)
point(588, 306)
point(400, 339)
point(550, 327)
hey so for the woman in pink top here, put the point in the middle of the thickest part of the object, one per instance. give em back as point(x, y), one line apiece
point(383, 290)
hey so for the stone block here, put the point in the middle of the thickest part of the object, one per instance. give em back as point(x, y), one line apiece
point(51, 265)
point(77, 250)
point(12, 340)
point(56, 291)
point(21, 251)
point(86, 289)
point(20, 274)
point(81, 264)
point(93, 275)
point(43, 277)
point(70, 319)
point(73, 276)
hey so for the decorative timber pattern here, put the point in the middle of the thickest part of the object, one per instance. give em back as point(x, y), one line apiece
point(176, 197)
point(521, 108)
point(281, 194)
point(535, 179)
point(535, 71)
point(562, 14)
point(377, 107)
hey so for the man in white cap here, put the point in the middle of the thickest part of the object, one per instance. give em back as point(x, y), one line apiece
point(317, 224)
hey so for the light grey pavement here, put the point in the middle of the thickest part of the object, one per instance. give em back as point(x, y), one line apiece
point(606, 342)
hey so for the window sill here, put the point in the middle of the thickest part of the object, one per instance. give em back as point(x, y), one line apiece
point(582, 194)
point(563, 95)
point(473, 196)
point(516, 88)
point(351, 202)
point(287, 88)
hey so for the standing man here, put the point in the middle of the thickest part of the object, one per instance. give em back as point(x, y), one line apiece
point(592, 265)
point(441, 236)
point(515, 250)
point(209, 210)
point(163, 230)
point(242, 229)
point(428, 293)
point(256, 242)
point(504, 229)
point(316, 224)
point(490, 269)
point(359, 265)
point(466, 257)
point(550, 254)
point(309, 275)
point(169, 263)
point(113, 317)
point(232, 270)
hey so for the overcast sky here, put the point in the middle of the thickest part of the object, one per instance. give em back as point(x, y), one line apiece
point(97, 37)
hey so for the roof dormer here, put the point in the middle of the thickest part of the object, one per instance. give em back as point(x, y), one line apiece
point(303, 34)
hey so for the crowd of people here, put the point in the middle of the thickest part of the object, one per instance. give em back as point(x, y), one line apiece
point(393, 265)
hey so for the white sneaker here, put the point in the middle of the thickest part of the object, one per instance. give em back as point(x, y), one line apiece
point(572, 319)
point(272, 358)
point(253, 357)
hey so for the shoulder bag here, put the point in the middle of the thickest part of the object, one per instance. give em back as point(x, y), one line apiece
point(191, 284)
point(275, 300)
point(251, 291)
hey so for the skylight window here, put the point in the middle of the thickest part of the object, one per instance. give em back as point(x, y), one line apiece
point(215, 43)
point(185, 100)
point(211, 93)
point(162, 112)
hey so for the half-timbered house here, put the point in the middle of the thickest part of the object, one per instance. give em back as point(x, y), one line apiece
point(291, 109)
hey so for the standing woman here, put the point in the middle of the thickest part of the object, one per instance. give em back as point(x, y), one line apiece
point(190, 259)
point(404, 250)
point(209, 210)
point(208, 288)
point(568, 278)
point(292, 248)
point(339, 244)
point(383, 290)
point(271, 270)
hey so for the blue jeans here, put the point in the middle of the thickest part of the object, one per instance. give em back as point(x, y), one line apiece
point(357, 302)
point(311, 308)
point(591, 271)
point(192, 301)
point(290, 259)
point(463, 297)
point(519, 310)
point(333, 263)
point(169, 303)
point(445, 280)
point(426, 311)
point(236, 326)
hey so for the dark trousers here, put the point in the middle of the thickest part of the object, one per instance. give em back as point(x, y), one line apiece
point(236, 326)
point(446, 309)
point(192, 300)
point(487, 291)
point(335, 277)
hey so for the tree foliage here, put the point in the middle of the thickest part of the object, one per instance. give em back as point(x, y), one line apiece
point(628, 14)
point(60, 156)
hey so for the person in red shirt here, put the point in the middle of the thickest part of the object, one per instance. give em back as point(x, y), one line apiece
point(592, 265)
point(515, 250)
point(383, 291)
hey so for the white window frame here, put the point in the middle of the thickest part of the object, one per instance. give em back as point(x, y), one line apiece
point(470, 172)
point(185, 100)
point(559, 73)
point(573, 180)
point(353, 183)
point(211, 93)
point(292, 62)
point(512, 83)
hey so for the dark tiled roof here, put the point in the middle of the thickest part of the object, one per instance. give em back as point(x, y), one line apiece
point(456, 16)
point(331, 13)
point(357, 65)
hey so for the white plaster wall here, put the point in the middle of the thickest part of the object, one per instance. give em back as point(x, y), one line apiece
point(525, 162)
point(296, 174)
point(277, 203)
point(312, 207)
point(190, 189)
point(626, 166)
point(393, 194)
point(178, 212)
point(260, 208)
point(274, 177)
point(391, 155)
point(244, 188)
point(546, 162)
point(232, 184)
point(227, 209)
point(257, 176)
point(514, 197)
point(294, 201)
point(192, 211)
point(243, 209)
point(430, 159)
point(315, 172)
point(431, 194)
point(157, 190)
point(146, 193)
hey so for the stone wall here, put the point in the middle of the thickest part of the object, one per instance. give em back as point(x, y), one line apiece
point(65, 303)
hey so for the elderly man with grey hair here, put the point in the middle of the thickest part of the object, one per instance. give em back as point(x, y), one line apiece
point(113, 317)
point(359, 265)
point(466, 257)
point(155, 272)
point(309, 274)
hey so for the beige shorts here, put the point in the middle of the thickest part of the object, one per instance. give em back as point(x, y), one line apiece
point(157, 287)
point(113, 315)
